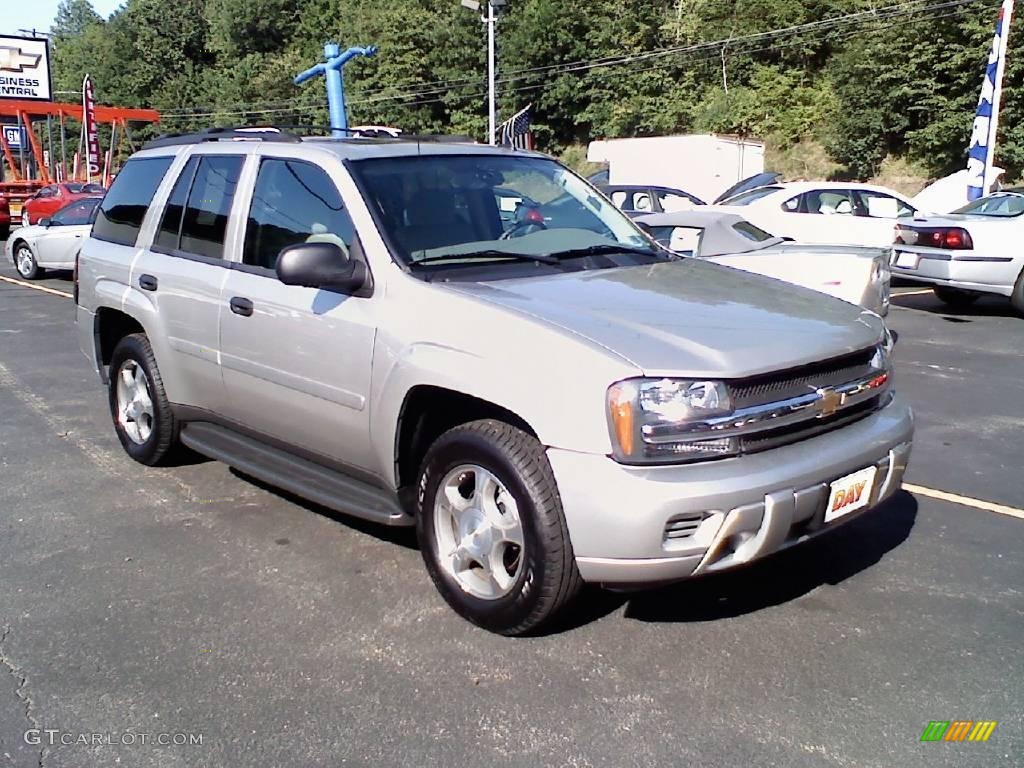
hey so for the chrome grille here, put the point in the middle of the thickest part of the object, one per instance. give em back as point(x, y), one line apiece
point(780, 385)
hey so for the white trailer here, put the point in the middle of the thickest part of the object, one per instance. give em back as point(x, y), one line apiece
point(703, 165)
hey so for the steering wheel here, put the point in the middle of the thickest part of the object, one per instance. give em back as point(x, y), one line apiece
point(521, 228)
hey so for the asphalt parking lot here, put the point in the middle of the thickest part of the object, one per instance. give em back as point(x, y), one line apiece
point(195, 601)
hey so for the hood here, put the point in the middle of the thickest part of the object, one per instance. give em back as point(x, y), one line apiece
point(751, 182)
point(867, 251)
point(30, 232)
point(690, 317)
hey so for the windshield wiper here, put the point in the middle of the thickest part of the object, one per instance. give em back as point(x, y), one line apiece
point(600, 250)
point(543, 258)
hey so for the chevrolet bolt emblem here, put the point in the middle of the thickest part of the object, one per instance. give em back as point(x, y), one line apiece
point(830, 402)
point(14, 60)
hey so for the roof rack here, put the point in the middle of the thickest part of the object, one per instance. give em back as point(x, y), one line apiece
point(261, 133)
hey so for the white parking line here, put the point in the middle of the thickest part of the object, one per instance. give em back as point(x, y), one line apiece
point(911, 293)
point(42, 288)
point(966, 501)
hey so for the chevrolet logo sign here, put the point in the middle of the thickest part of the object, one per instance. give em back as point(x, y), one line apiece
point(14, 60)
point(830, 401)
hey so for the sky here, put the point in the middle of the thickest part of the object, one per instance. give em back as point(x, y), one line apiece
point(38, 14)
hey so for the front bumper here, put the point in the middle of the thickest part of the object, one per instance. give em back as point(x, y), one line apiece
point(987, 274)
point(625, 522)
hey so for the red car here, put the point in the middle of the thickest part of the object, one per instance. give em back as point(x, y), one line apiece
point(50, 199)
point(5, 217)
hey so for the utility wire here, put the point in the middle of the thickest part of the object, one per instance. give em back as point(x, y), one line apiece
point(736, 45)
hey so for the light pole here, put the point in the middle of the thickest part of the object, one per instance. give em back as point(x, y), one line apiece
point(491, 20)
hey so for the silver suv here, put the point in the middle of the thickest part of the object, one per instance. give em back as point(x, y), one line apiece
point(476, 342)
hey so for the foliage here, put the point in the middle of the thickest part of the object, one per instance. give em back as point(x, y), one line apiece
point(863, 92)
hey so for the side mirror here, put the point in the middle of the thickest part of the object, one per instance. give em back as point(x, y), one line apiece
point(320, 265)
point(44, 222)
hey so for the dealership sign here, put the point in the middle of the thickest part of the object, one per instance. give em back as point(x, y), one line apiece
point(24, 68)
point(92, 139)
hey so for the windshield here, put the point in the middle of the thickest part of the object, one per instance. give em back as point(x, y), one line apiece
point(477, 208)
point(746, 198)
point(1000, 204)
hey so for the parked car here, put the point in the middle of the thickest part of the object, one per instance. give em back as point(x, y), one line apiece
point(51, 198)
point(351, 320)
point(824, 212)
point(973, 251)
point(54, 242)
point(637, 200)
point(857, 274)
point(5, 217)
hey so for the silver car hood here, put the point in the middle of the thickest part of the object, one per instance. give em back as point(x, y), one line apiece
point(689, 317)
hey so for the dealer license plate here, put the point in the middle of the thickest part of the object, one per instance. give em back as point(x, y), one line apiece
point(850, 493)
point(906, 260)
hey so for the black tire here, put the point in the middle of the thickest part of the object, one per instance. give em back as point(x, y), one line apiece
point(35, 271)
point(135, 350)
point(1017, 297)
point(955, 297)
point(547, 578)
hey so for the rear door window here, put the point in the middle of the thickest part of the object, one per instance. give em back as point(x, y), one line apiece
point(205, 219)
point(120, 216)
point(169, 235)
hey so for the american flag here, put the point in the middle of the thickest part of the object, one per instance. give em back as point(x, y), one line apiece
point(515, 132)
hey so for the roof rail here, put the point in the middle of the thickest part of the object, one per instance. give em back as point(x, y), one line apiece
point(223, 134)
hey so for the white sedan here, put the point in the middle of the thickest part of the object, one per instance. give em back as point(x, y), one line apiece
point(824, 212)
point(857, 274)
point(964, 254)
point(52, 243)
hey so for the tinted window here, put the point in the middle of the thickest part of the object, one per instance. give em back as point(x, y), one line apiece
point(751, 232)
point(1000, 204)
point(47, 192)
point(881, 206)
point(209, 202)
point(293, 202)
point(120, 215)
point(74, 188)
point(170, 225)
point(676, 201)
point(76, 213)
point(93, 188)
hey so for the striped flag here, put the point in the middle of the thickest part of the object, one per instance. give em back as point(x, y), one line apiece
point(515, 132)
point(986, 119)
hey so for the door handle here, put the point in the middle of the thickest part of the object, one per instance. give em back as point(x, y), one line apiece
point(241, 306)
point(148, 282)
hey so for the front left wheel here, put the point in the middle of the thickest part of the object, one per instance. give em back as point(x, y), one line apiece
point(25, 261)
point(142, 414)
point(491, 528)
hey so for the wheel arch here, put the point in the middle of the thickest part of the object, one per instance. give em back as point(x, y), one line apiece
point(109, 327)
point(427, 412)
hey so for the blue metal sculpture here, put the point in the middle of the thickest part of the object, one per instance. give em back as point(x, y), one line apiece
point(331, 70)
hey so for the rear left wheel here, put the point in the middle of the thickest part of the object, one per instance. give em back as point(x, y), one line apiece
point(25, 261)
point(142, 414)
point(1017, 297)
point(491, 528)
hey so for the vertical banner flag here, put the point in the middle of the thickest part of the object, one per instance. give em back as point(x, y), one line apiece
point(92, 139)
point(980, 154)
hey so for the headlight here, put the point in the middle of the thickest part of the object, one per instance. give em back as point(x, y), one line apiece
point(882, 360)
point(648, 420)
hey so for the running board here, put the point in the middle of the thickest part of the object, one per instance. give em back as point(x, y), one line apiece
point(304, 478)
